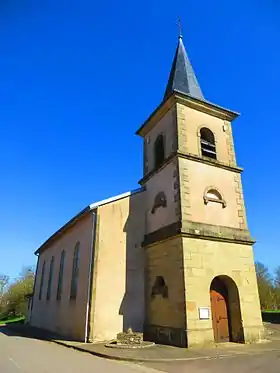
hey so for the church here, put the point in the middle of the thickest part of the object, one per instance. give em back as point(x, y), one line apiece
point(173, 259)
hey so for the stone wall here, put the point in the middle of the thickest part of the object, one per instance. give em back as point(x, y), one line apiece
point(165, 182)
point(65, 317)
point(203, 261)
point(189, 123)
point(118, 285)
point(195, 178)
point(230, 143)
point(166, 126)
point(179, 270)
point(165, 299)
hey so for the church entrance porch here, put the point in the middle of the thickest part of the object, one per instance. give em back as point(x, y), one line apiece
point(226, 313)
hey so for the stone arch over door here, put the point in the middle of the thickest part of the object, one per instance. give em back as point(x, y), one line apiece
point(226, 312)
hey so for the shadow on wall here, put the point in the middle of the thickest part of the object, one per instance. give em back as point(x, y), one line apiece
point(32, 332)
point(133, 304)
point(166, 321)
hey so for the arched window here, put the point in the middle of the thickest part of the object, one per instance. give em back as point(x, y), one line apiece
point(213, 195)
point(207, 143)
point(42, 280)
point(160, 201)
point(50, 279)
point(159, 288)
point(159, 152)
point(60, 276)
point(75, 272)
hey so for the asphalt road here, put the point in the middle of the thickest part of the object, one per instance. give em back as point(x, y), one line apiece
point(267, 362)
point(25, 355)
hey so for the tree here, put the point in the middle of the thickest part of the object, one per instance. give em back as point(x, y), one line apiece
point(15, 301)
point(277, 286)
point(277, 277)
point(4, 280)
point(266, 287)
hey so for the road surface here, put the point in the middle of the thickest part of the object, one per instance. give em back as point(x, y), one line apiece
point(25, 355)
point(267, 362)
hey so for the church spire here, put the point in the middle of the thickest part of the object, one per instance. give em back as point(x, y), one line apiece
point(182, 77)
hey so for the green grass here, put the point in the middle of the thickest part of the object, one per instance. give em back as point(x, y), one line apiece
point(12, 320)
point(271, 311)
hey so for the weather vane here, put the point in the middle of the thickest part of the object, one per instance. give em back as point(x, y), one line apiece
point(179, 28)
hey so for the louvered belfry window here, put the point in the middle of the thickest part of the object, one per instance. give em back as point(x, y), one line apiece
point(207, 143)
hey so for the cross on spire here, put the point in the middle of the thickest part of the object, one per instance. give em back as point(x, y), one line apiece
point(182, 77)
point(180, 36)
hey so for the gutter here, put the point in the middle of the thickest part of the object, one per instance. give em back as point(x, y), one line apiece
point(62, 229)
point(81, 214)
point(90, 278)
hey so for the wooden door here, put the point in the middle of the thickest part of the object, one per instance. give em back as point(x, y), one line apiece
point(219, 316)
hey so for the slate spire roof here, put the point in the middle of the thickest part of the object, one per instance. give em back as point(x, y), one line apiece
point(182, 77)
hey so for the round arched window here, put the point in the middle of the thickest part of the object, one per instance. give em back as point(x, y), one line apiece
point(213, 195)
point(159, 152)
point(207, 143)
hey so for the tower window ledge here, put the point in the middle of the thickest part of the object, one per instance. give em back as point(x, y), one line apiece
point(210, 161)
point(192, 157)
point(210, 199)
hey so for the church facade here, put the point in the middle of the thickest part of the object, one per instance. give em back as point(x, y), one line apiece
point(173, 259)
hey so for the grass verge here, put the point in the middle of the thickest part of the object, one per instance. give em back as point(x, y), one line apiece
point(12, 320)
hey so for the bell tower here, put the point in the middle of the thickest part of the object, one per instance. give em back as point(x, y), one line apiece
point(200, 275)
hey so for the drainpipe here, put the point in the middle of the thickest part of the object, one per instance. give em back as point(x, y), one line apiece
point(90, 277)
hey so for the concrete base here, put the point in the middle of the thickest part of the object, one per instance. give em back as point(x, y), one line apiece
point(143, 344)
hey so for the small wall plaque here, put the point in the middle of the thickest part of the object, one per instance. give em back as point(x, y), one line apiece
point(204, 313)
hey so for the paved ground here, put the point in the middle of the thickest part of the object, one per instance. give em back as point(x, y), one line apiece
point(257, 361)
point(268, 362)
point(26, 355)
point(158, 353)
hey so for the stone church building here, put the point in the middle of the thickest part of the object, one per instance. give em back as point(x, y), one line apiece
point(173, 259)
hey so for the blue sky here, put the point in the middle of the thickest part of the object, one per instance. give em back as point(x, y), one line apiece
point(78, 78)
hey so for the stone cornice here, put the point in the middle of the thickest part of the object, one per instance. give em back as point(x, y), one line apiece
point(205, 106)
point(156, 115)
point(192, 102)
point(199, 231)
point(192, 157)
point(221, 239)
point(209, 161)
point(216, 232)
point(156, 170)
